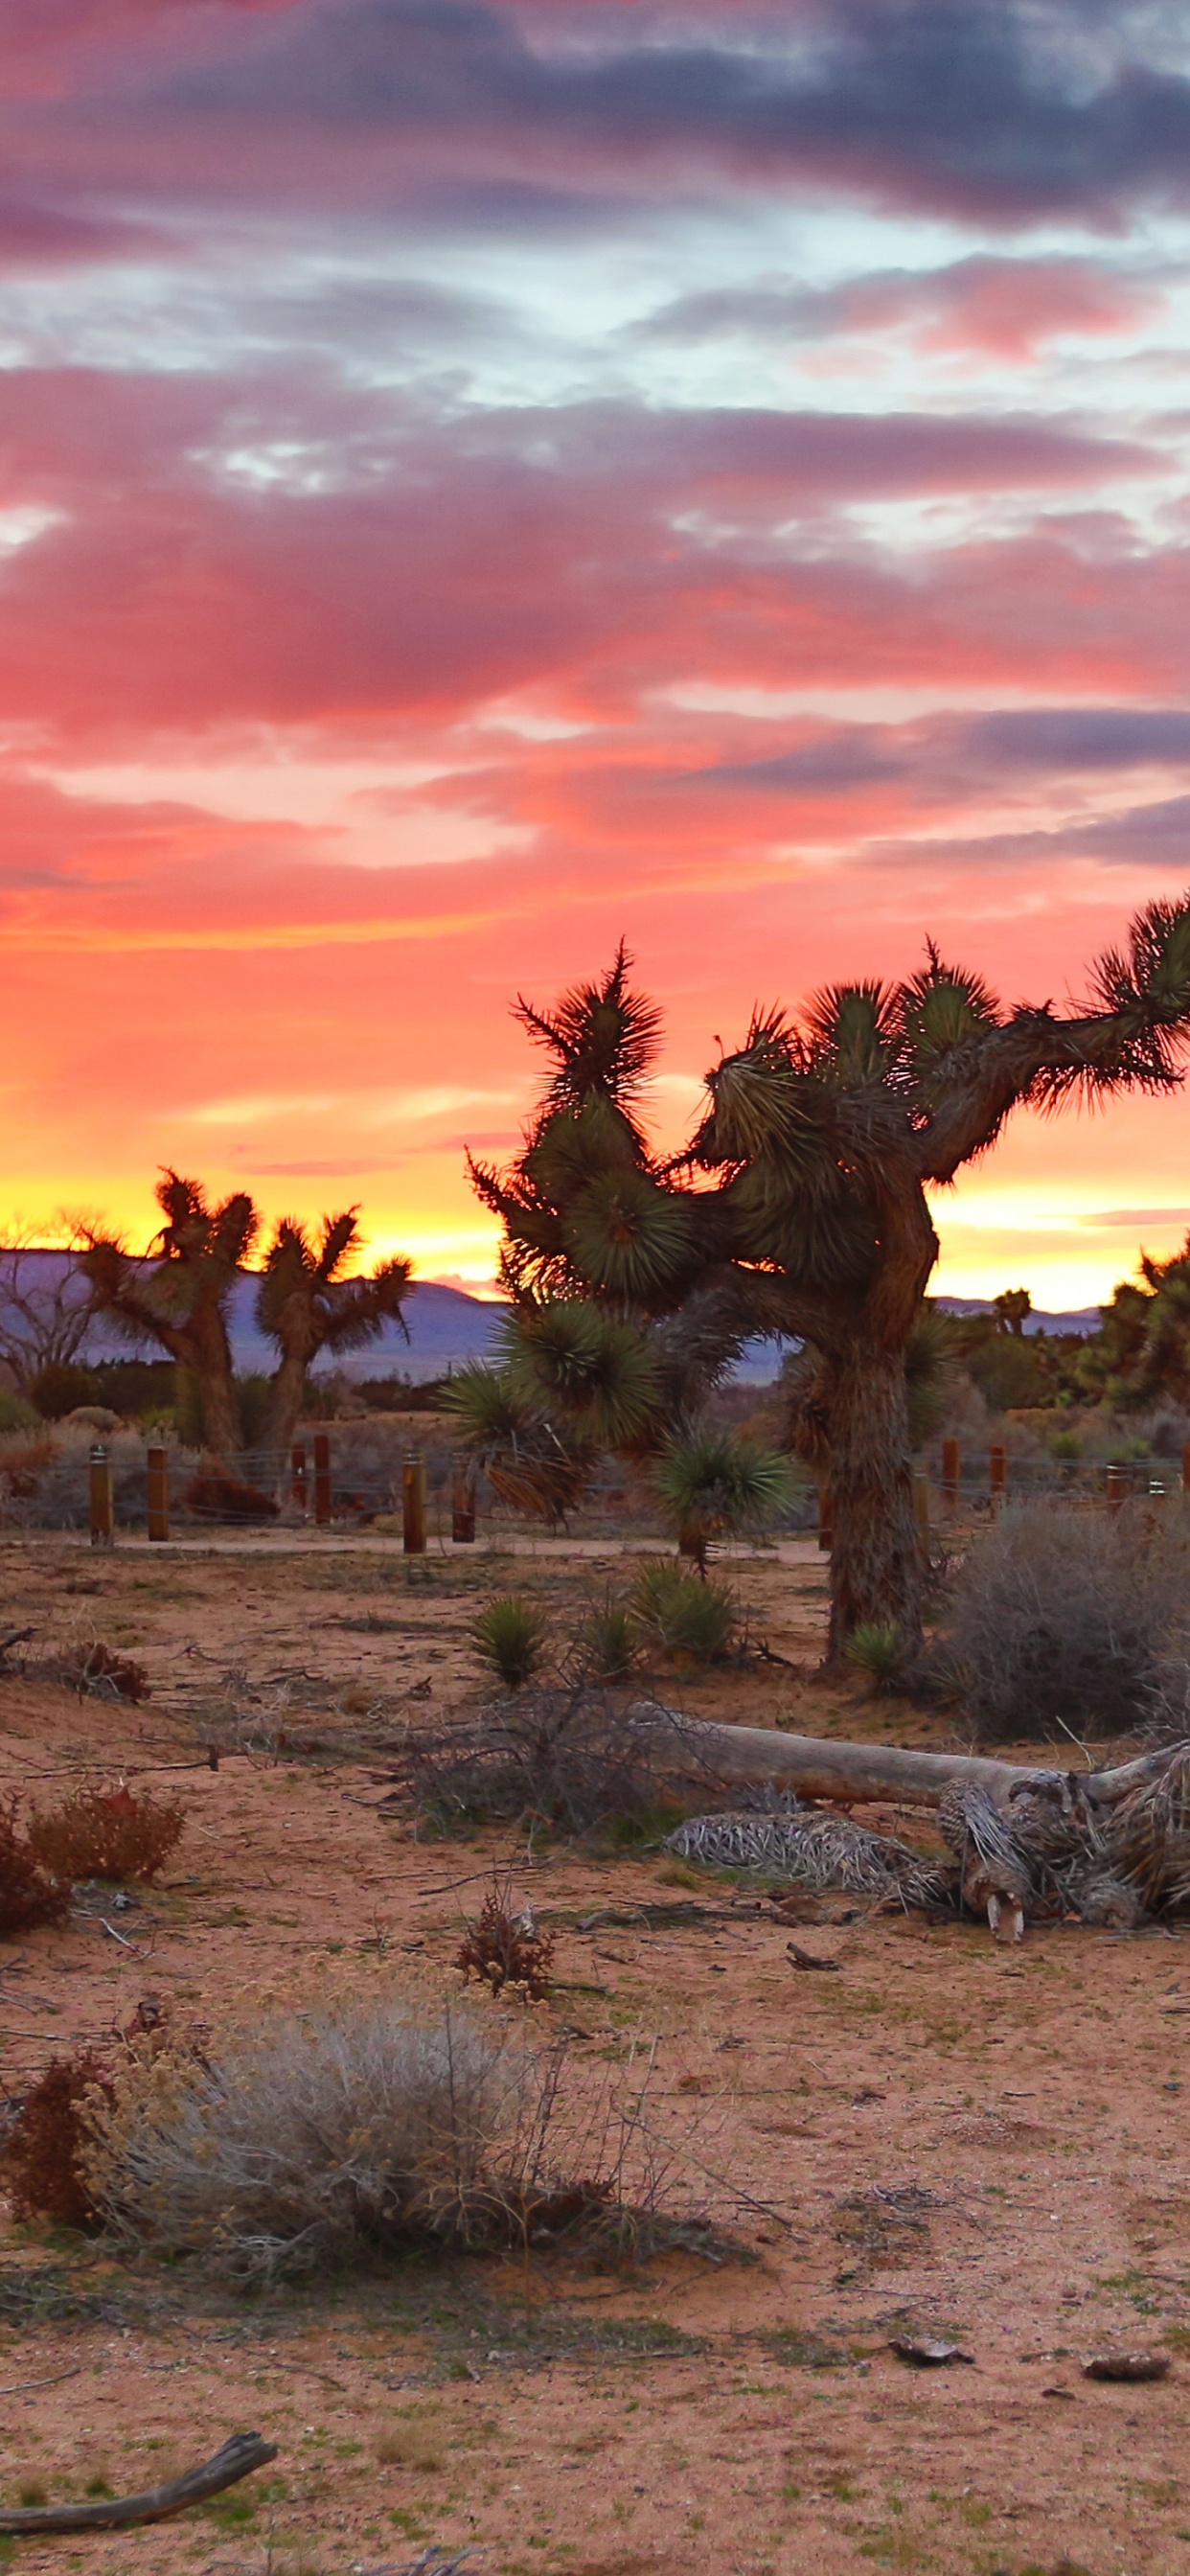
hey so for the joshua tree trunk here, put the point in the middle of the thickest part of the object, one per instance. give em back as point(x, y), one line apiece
point(220, 1406)
point(285, 1404)
point(876, 1566)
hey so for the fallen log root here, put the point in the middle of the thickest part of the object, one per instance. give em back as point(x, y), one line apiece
point(241, 2454)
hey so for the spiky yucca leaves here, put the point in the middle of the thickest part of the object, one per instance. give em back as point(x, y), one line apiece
point(595, 1373)
point(512, 1441)
point(715, 1485)
point(305, 1305)
point(509, 1636)
point(1146, 1333)
point(182, 1301)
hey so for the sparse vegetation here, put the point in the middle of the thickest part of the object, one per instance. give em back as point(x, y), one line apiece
point(1062, 1619)
point(29, 1892)
point(875, 1649)
point(506, 1948)
point(42, 2159)
point(509, 1636)
point(121, 1833)
point(678, 1614)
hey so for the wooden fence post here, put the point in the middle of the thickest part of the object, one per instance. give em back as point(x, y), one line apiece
point(998, 1475)
point(952, 1474)
point(322, 1478)
point(158, 1477)
point(826, 1519)
point(1118, 1482)
point(299, 1490)
point(413, 1504)
point(103, 1520)
point(462, 1517)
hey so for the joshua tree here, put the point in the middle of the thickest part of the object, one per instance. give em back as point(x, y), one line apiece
point(181, 1302)
point(305, 1306)
point(1146, 1332)
point(1012, 1306)
point(801, 1199)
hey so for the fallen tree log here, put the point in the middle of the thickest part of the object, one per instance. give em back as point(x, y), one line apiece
point(241, 2454)
point(815, 1766)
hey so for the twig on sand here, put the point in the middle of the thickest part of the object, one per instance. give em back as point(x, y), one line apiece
point(19, 2386)
point(238, 2457)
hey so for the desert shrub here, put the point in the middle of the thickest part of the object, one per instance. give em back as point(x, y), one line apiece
point(16, 1414)
point(29, 1892)
point(108, 1833)
point(566, 1756)
point(680, 1614)
point(60, 1386)
point(310, 2143)
point(1062, 1619)
point(368, 2129)
point(509, 1636)
point(502, 1948)
point(607, 1644)
point(216, 1496)
point(875, 1649)
point(42, 2161)
point(96, 1671)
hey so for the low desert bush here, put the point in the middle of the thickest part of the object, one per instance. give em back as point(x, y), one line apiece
point(96, 1671)
point(42, 2161)
point(108, 1833)
point(29, 1892)
point(564, 1756)
point(875, 1648)
point(607, 1644)
point(509, 1636)
point(1061, 1620)
point(213, 1495)
point(503, 1948)
point(372, 2129)
point(677, 1613)
point(715, 1482)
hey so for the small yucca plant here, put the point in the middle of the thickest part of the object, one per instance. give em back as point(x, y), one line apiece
point(608, 1642)
point(716, 1485)
point(509, 1636)
point(875, 1648)
point(683, 1614)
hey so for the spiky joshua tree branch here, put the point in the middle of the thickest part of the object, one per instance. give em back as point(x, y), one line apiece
point(800, 1205)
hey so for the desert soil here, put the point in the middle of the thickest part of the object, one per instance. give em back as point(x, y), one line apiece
point(940, 2137)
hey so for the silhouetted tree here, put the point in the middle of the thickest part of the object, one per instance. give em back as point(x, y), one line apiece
point(304, 1305)
point(181, 1299)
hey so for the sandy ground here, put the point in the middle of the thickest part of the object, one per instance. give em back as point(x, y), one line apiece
point(941, 2136)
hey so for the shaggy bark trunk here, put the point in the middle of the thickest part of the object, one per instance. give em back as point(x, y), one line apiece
point(210, 1359)
point(876, 1565)
point(285, 1405)
point(849, 1774)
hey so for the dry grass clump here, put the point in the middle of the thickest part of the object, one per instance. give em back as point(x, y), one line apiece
point(42, 2159)
point(502, 1948)
point(108, 1833)
point(1060, 1620)
point(370, 2129)
point(30, 1893)
point(312, 2142)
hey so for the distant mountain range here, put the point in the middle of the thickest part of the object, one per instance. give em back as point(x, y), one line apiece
point(447, 1328)
point(1078, 1319)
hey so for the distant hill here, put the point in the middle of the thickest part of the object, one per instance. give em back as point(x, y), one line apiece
point(447, 1328)
point(1078, 1319)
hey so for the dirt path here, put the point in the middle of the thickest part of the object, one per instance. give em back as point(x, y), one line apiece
point(940, 2135)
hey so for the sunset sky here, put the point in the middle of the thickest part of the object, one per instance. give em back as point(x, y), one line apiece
point(481, 479)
